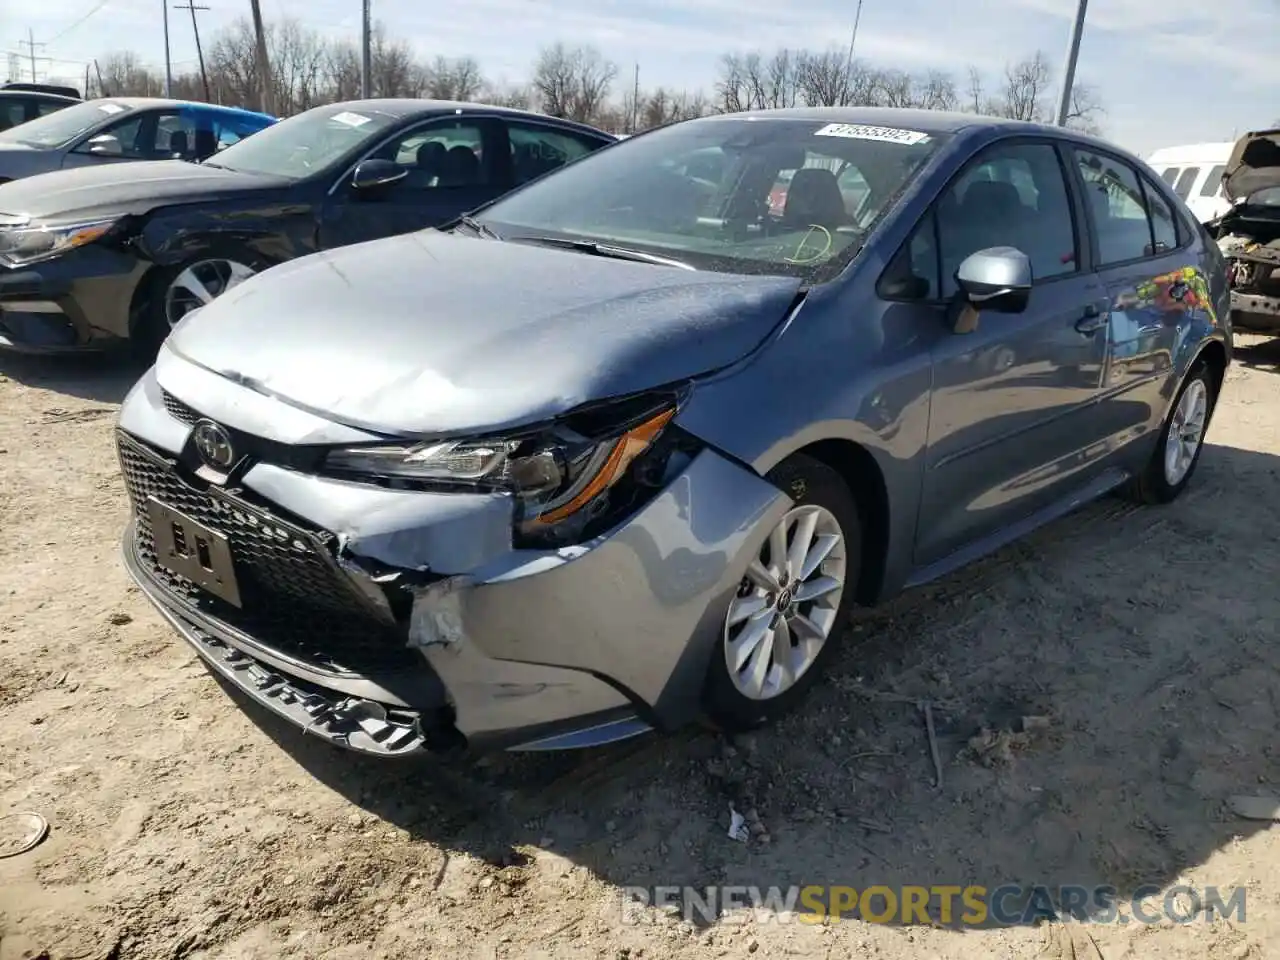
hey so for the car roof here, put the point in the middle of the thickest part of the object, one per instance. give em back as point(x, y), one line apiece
point(140, 103)
point(40, 95)
point(404, 108)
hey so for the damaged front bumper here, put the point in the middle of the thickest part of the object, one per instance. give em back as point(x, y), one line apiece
point(394, 622)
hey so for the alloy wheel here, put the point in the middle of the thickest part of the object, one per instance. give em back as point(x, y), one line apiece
point(200, 283)
point(1186, 431)
point(787, 604)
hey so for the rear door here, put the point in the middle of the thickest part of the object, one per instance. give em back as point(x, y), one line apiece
point(538, 148)
point(1142, 253)
point(1012, 421)
point(452, 166)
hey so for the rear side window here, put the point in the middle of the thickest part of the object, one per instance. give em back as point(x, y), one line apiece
point(1164, 229)
point(1182, 187)
point(1169, 175)
point(1114, 195)
point(1213, 182)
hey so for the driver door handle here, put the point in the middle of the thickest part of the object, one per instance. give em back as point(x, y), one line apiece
point(1092, 321)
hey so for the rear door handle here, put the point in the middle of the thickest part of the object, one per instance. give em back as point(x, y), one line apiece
point(1092, 321)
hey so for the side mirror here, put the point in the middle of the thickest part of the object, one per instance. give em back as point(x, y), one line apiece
point(998, 278)
point(105, 146)
point(370, 174)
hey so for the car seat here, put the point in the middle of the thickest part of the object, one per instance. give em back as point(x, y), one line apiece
point(814, 198)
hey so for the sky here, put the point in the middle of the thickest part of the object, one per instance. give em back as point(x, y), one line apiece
point(1169, 72)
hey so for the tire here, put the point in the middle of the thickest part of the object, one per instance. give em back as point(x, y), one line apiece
point(1155, 485)
point(154, 325)
point(820, 492)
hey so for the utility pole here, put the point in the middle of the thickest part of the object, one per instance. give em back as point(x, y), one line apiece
point(86, 82)
point(31, 45)
point(102, 87)
point(366, 51)
point(195, 28)
point(1069, 69)
point(848, 61)
point(635, 102)
point(264, 68)
point(168, 63)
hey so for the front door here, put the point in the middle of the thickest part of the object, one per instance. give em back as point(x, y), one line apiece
point(450, 168)
point(1012, 422)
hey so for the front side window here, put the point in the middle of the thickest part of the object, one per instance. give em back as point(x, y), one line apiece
point(1013, 195)
point(1186, 180)
point(307, 144)
point(706, 192)
point(439, 155)
point(12, 112)
point(536, 150)
point(123, 139)
point(60, 128)
point(1119, 208)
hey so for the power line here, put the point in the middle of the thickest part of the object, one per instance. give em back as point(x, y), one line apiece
point(31, 49)
point(77, 23)
point(195, 28)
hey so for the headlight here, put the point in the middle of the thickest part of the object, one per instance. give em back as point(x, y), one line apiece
point(29, 244)
point(558, 474)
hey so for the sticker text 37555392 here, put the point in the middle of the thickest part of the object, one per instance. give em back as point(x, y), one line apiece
point(859, 131)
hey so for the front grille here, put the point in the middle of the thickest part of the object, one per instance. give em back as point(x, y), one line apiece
point(177, 409)
point(294, 598)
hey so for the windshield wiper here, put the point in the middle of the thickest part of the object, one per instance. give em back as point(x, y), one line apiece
point(474, 225)
point(609, 250)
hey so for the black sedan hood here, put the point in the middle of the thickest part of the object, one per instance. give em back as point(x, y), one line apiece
point(435, 334)
point(120, 188)
point(1254, 165)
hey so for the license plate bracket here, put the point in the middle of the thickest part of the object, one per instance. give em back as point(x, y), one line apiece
point(191, 550)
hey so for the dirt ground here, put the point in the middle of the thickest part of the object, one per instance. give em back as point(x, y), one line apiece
point(184, 826)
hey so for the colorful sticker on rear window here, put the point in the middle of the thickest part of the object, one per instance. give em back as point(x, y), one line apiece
point(858, 131)
point(111, 108)
point(351, 119)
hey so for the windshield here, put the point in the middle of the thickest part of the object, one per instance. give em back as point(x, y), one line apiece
point(1267, 197)
point(56, 129)
point(737, 195)
point(304, 145)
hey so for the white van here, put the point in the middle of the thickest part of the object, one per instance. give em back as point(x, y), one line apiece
point(1195, 173)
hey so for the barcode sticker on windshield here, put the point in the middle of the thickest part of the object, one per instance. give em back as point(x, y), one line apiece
point(858, 131)
point(350, 119)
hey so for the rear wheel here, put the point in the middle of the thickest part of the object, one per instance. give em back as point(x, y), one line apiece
point(786, 618)
point(1181, 440)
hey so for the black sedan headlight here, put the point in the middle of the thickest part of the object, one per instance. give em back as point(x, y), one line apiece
point(21, 244)
point(562, 476)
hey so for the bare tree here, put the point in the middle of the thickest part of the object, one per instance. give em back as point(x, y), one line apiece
point(123, 75)
point(458, 79)
point(1026, 84)
point(573, 83)
point(502, 94)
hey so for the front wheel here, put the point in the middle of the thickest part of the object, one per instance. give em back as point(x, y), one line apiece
point(1181, 440)
point(785, 620)
point(177, 291)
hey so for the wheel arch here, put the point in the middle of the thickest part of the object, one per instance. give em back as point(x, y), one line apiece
point(861, 473)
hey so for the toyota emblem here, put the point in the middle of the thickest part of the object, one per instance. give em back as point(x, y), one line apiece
point(214, 445)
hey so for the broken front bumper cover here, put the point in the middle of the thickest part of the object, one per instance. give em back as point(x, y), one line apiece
point(357, 723)
point(1255, 312)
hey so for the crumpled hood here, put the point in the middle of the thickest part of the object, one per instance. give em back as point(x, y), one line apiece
point(433, 333)
point(131, 186)
point(1254, 165)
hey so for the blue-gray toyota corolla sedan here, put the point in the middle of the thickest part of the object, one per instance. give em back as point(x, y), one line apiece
point(627, 446)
